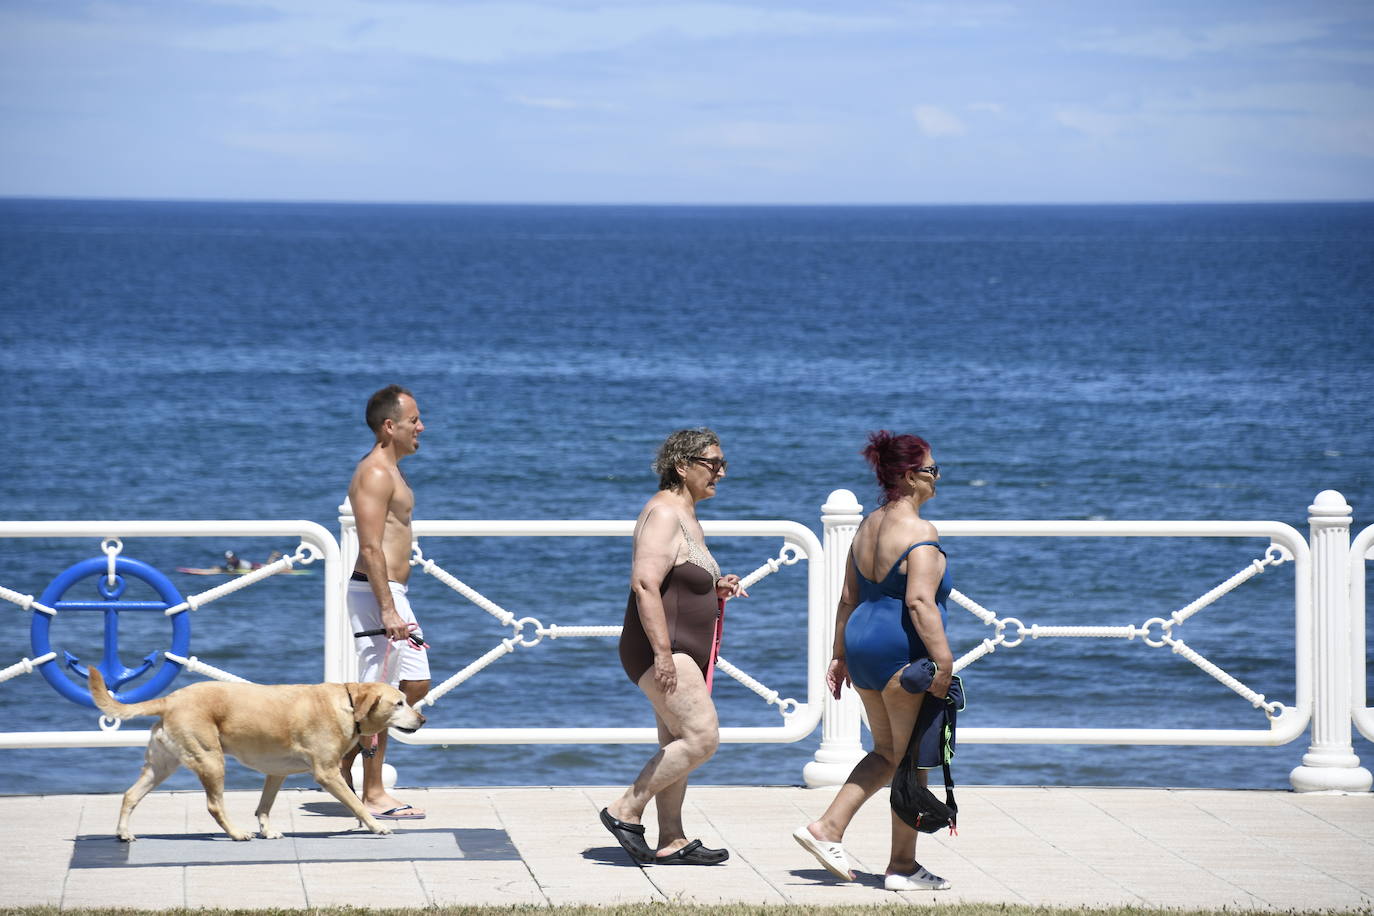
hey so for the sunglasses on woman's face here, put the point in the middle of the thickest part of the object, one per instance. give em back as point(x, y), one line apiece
point(715, 464)
point(932, 469)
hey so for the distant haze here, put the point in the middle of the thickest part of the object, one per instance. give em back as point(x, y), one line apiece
point(580, 101)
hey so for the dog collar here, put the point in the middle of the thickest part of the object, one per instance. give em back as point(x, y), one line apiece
point(370, 747)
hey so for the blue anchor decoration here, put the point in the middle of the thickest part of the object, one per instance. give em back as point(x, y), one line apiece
point(116, 680)
point(115, 672)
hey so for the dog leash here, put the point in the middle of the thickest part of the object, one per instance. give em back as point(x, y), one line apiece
point(416, 636)
point(417, 639)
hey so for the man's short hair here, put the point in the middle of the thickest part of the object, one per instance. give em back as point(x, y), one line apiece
point(385, 405)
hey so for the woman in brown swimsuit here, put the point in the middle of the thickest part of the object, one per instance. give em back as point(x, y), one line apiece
point(665, 647)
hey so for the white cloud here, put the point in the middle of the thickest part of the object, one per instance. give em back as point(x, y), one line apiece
point(303, 145)
point(555, 104)
point(639, 94)
point(1302, 118)
point(1181, 43)
point(1334, 56)
point(1100, 124)
point(488, 32)
point(299, 100)
point(1263, 103)
point(1276, 98)
point(936, 122)
point(755, 135)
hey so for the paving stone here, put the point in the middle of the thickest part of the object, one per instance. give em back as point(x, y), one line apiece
point(1153, 848)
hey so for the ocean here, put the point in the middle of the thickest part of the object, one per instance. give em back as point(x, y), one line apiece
point(165, 360)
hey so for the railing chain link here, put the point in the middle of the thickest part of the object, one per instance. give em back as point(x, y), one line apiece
point(197, 666)
point(417, 558)
point(530, 631)
point(112, 547)
point(25, 666)
point(1274, 555)
point(27, 602)
point(305, 554)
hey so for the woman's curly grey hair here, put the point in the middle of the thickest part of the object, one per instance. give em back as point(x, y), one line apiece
point(677, 449)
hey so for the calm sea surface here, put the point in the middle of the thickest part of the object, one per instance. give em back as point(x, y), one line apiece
point(211, 361)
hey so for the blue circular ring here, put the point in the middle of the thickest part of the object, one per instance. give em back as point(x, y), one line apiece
point(181, 628)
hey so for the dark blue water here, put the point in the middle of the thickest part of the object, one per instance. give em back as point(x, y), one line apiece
point(194, 361)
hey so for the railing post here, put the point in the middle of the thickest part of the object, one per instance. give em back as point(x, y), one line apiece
point(1361, 551)
point(1330, 764)
point(840, 746)
point(348, 556)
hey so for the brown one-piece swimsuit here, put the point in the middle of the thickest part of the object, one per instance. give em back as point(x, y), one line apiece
point(690, 607)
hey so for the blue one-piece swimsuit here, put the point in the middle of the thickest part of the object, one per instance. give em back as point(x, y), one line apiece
point(879, 637)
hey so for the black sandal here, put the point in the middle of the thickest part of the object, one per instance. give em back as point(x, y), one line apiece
point(629, 836)
point(694, 854)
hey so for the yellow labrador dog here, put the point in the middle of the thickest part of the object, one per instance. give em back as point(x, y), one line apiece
point(277, 730)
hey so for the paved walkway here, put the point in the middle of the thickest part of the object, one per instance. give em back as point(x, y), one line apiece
point(1060, 846)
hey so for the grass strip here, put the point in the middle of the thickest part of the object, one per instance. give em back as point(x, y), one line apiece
point(672, 909)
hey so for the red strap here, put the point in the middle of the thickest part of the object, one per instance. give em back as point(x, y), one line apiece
point(715, 644)
point(411, 628)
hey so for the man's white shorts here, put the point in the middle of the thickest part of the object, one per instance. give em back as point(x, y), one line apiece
point(379, 659)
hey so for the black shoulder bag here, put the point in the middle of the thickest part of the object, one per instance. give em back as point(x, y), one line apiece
point(917, 806)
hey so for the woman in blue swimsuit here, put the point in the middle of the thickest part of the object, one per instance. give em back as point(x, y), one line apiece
point(891, 613)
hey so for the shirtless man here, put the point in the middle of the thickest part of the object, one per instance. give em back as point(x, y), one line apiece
point(382, 506)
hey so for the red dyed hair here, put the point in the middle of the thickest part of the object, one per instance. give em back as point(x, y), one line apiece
point(892, 456)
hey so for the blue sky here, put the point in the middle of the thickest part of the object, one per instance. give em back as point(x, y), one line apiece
point(802, 102)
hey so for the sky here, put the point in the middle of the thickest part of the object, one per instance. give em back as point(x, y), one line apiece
point(711, 102)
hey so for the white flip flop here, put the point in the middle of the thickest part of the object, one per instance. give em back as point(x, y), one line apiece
point(829, 854)
point(919, 880)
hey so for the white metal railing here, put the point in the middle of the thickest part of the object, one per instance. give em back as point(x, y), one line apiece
point(841, 518)
point(316, 542)
point(1330, 763)
point(799, 719)
point(1329, 665)
point(1361, 551)
point(1285, 723)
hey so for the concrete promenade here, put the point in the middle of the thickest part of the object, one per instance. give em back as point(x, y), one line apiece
point(1058, 846)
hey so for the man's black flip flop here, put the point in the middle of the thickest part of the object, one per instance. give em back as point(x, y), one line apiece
point(694, 854)
point(629, 836)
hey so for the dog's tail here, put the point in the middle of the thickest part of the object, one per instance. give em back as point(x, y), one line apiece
point(112, 707)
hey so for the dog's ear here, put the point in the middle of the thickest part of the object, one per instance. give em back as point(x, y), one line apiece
point(366, 704)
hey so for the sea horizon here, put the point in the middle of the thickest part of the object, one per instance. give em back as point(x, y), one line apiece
point(1243, 202)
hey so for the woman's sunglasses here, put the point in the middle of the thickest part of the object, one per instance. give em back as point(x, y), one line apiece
point(715, 464)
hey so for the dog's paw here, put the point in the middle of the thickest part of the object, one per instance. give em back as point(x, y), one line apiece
point(238, 836)
point(271, 834)
point(373, 826)
point(125, 837)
